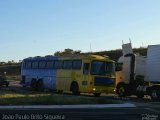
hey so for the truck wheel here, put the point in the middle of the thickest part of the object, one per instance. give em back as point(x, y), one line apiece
point(97, 94)
point(155, 94)
point(121, 90)
point(140, 96)
point(40, 86)
point(75, 89)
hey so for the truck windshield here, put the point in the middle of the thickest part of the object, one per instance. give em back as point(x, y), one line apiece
point(102, 68)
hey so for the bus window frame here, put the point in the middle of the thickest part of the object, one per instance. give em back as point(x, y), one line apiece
point(51, 67)
point(88, 70)
point(44, 67)
point(34, 66)
point(77, 68)
point(59, 67)
point(26, 65)
point(66, 67)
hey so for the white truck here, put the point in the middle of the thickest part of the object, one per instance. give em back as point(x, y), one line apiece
point(138, 75)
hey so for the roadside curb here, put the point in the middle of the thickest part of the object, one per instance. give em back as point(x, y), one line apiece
point(96, 106)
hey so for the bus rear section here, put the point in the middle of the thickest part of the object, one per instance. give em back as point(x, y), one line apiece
point(39, 73)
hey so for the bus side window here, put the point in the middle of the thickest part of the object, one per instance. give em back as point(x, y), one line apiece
point(28, 64)
point(67, 64)
point(50, 65)
point(35, 65)
point(77, 64)
point(42, 64)
point(86, 68)
point(58, 64)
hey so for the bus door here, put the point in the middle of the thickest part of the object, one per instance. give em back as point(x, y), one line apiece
point(86, 76)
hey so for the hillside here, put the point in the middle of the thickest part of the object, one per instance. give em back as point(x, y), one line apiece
point(113, 54)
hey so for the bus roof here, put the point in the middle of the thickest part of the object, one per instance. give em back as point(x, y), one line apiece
point(39, 58)
point(87, 56)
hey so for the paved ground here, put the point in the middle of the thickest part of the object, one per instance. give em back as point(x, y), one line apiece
point(145, 109)
point(79, 114)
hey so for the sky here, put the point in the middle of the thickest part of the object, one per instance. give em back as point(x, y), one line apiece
point(41, 27)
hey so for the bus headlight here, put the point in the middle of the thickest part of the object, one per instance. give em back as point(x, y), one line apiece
point(94, 89)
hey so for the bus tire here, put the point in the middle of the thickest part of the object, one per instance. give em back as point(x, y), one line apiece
point(40, 86)
point(139, 95)
point(33, 84)
point(75, 89)
point(60, 91)
point(121, 90)
point(96, 94)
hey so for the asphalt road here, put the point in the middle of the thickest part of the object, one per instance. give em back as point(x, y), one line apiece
point(142, 111)
point(145, 110)
point(79, 114)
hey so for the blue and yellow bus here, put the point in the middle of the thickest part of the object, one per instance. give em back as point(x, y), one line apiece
point(78, 74)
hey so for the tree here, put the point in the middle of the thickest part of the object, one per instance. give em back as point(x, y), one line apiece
point(67, 52)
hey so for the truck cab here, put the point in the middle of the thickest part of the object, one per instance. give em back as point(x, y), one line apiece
point(138, 75)
point(130, 71)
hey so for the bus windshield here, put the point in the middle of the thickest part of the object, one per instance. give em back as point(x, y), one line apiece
point(102, 68)
point(110, 68)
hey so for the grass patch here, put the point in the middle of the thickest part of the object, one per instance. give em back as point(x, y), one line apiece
point(14, 77)
point(13, 98)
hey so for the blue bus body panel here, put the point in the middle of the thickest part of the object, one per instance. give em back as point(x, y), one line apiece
point(47, 75)
point(102, 81)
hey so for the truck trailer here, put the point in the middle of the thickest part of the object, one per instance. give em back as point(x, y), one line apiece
point(138, 75)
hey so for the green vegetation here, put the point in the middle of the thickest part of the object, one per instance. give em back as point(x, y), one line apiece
point(12, 62)
point(14, 77)
point(10, 70)
point(14, 98)
point(67, 52)
point(113, 54)
point(116, 54)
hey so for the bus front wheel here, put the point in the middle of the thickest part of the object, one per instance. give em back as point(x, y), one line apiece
point(75, 89)
point(60, 91)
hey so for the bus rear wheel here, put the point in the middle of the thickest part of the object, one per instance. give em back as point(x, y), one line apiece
point(75, 89)
point(96, 94)
point(40, 86)
point(34, 84)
